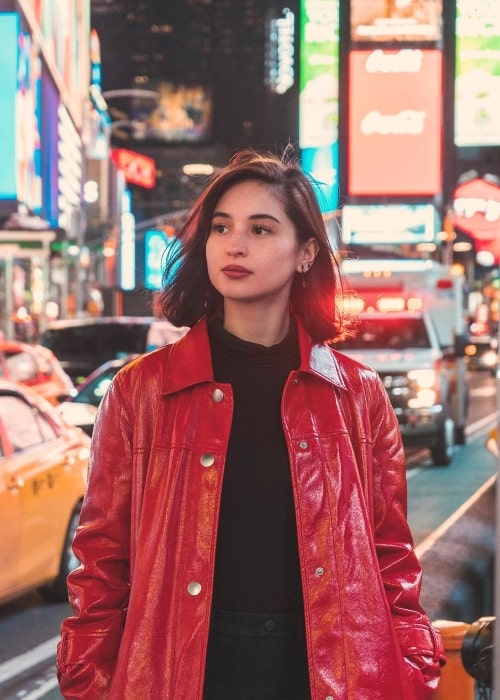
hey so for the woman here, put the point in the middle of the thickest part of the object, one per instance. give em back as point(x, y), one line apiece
point(244, 532)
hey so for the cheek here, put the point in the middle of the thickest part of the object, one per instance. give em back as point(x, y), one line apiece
point(210, 258)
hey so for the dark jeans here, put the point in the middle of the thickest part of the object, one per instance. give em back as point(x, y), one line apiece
point(256, 656)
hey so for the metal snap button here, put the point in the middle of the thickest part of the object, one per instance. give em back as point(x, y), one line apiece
point(269, 625)
point(207, 460)
point(194, 588)
point(217, 395)
point(303, 444)
point(319, 571)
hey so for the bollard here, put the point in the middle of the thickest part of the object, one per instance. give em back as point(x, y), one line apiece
point(455, 683)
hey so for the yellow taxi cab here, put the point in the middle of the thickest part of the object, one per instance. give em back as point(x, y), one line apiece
point(43, 476)
point(35, 366)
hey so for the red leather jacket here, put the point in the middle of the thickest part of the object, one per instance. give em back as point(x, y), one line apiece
point(142, 597)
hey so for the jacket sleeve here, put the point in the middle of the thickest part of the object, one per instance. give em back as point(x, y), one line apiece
point(400, 569)
point(99, 588)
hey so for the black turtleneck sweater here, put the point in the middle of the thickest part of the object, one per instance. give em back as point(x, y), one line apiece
point(257, 563)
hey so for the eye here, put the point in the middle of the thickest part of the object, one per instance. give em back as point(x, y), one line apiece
point(218, 227)
point(260, 229)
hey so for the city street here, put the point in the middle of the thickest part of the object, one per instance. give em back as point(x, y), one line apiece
point(29, 627)
point(139, 142)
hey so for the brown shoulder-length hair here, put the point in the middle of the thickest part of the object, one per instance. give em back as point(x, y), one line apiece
point(188, 294)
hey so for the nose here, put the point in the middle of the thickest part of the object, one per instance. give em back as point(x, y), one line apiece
point(236, 244)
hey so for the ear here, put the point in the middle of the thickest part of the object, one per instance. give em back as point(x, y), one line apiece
point(307, 255)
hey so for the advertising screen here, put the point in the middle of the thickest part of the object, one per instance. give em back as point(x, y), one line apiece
point(28, 124)
point(167, 112)
point(477, 73)
point(393, 20)
point(9, 30)
point(476, 211)
point(50, 151)
point(156, 246)
point(319, 96)
point(389, 223)
point(65, 29)
point(138, 169)
point(395, 119)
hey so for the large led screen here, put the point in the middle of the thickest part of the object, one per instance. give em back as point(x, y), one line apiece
point(9, 30)
point(319, 96)
point(167, 112)
point(65, 29)
point(476, 211)
point(406, 20)
point(28, 124)
point(389, 223)
point(395, 119)
point(477, 73)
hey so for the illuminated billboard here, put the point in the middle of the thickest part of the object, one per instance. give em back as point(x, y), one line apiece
point(383, 21)
point(319, 96)
point(20, 115)
point(28, 124)
point(280, 52)
point(50, 150)
point(138, 169)
point(64, 30)
point(157, 244)
point(477, 73)
point(395, 120)
point(167, 112)
point(476, 211)
point(389, 223)
point(9, 30)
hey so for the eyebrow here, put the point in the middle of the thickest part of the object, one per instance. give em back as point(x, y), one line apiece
point(251, 217)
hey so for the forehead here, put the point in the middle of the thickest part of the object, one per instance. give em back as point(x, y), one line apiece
point(249, 195)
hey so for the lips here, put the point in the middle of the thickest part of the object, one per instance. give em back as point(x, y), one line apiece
point(235, 271)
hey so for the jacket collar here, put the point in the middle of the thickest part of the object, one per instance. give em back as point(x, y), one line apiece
point(189, 360)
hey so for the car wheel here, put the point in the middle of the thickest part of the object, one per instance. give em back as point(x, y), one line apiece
point(442, 450)
point(58, 591)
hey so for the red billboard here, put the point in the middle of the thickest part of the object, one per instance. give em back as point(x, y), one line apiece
point(138, 169)
point(395, 120)
point(476, 211)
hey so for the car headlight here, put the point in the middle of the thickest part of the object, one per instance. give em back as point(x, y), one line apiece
point(424, 383)
point(424, 378)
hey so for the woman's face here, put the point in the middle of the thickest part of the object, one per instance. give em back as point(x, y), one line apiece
point(252, 250)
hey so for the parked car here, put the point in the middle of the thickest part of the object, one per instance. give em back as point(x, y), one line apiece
point(34, 366)
point(43, 476)
point(82, 345)
point(80, 409)
point(482, 353)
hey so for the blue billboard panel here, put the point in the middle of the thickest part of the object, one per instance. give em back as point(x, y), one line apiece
point(319, 97)
point(156, 244)
point(9, 31)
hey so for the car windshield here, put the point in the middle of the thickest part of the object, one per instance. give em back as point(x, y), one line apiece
point(95, 389)
point(389, 334)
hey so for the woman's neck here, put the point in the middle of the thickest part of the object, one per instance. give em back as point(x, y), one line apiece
point(263, 328)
